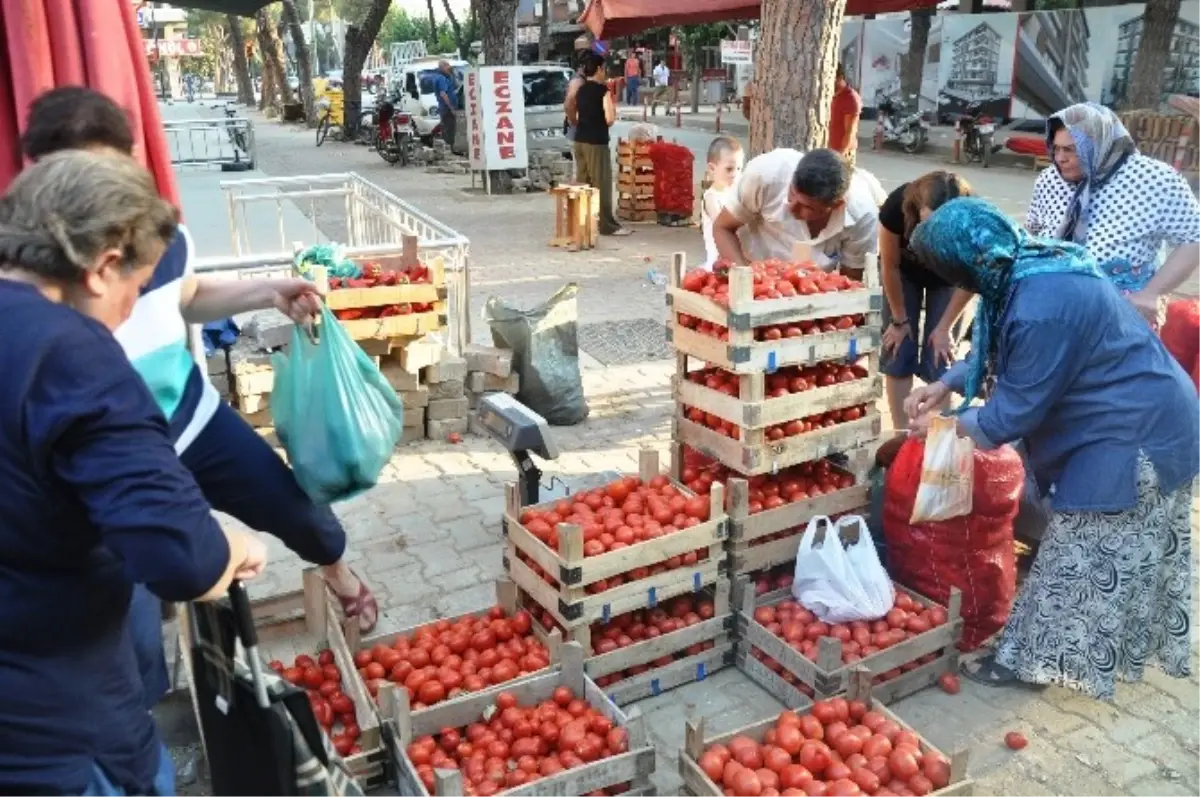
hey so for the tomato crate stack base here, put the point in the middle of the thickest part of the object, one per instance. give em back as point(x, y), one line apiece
point(697, 782)
point(908, 666)
point(635, 181)
point(305, 622)
point(632, 767)
point(368, 650)
point(692, 652)
point(566, 586)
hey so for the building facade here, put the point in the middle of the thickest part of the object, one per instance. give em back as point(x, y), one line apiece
point(975, 62)
point(1181, 75)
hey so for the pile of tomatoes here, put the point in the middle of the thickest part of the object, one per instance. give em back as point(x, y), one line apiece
point(334, 711)
point(448, 658)
point(794, 329)
point(779, 577)
point(799, 426)
point(802, 631)
point(619, 515)
point(839, 748)
point(785, 381)
point(372, 275)
point(772, 279)
point(770, 490)
point(513, 744)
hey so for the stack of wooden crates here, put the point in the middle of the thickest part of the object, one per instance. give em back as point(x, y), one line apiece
point(635, 181)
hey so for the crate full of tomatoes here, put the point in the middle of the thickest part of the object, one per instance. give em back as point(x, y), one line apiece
point(627, 545)
point(674, 190)
point(838, 747)
point(555, 733)
point(909, 647)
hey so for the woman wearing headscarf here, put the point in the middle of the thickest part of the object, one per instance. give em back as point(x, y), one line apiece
point(1068, 365)
point(1136, 216)
point(94, 498)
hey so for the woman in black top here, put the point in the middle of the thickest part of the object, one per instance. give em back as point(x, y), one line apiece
point(909, 287)
point(591, 112)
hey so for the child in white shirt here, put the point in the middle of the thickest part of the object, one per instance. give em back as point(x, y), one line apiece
point(725, 162)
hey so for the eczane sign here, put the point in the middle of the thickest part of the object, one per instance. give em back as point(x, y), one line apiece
point(495, 111)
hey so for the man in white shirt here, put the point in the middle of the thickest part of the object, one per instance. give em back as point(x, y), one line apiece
point(662, 80)
point(787, 197)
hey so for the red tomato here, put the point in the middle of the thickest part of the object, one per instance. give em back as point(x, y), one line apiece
point(1015, 740)
point(949, 683)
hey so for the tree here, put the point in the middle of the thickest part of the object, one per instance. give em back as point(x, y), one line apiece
point(433, 26)
point(793, 73)
point(498, 26)
point(464, 45)
point(544, 32)
point(360, 38)
point(303, 59)
point(275, 91)
point(241, 59)
point(914, 63)
point(1146, 77)
point(694, 39)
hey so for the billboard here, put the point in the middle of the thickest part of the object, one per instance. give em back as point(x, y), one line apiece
point(495, 110)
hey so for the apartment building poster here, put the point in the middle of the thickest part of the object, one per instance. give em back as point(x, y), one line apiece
point(887, 48)
point(977, 63)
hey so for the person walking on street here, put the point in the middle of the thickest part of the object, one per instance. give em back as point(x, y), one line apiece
point(447, 95)
point(662, 82)
point(592, 112)
point(633, 78)
point(843, 117)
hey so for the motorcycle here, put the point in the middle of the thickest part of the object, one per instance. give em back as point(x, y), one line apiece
point(909, 130)
point(395, 137)
point(976, 132)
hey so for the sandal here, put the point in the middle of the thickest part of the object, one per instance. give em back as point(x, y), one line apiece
point(989, 672)
point(361, 605)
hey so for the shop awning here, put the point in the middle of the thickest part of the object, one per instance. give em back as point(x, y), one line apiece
point(607, 19)
point(49, 43)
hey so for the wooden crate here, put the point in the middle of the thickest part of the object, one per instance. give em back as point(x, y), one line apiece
point(634, 155)
point(308, 621)
point(695, 743)
point(506, 598)
point(567, 599)
point(755, 454)
point(576, 217)
point(741, 353)
point(827, 676)
point(718, 630)
point(633, 767)
point(398, 326)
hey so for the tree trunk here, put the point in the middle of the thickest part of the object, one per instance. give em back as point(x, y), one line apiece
point(303, 59)
point(359, 40)
point(794, 70)
point(1146, 77)
point(914, 62)
point(694, 74)
point(498, 20)
point(241, 64)
point(269, 98)
point(463, 46)
point(544, 32)
point(433, 36)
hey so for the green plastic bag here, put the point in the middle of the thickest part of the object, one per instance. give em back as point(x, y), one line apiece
point(335, 414)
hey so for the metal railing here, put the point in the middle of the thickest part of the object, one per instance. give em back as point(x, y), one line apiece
point(368, 220)
point(227, 143)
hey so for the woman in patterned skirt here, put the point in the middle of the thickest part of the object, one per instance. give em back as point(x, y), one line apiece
point(1135, 215)
point(1070, 365)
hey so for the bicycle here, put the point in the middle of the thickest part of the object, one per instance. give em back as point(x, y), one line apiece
point(237, 136)
point(326, 123)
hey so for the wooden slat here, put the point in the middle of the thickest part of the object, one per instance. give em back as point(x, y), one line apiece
point(752, 356)
point(750, 414)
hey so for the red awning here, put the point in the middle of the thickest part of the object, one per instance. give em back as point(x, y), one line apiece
point(608, 19)
point(96, 43)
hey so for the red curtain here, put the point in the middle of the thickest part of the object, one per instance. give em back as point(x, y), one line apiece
point(96, 43)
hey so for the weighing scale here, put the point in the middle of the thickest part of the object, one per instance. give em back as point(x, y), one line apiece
point(522, 432)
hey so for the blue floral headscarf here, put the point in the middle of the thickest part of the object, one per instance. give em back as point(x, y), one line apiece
point(1103, 145)
point(970, 243)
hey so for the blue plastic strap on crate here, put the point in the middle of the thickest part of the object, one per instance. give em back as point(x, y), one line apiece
point(652, 596)
point(853, 349)
point(772, 362)
point(701, 672)
point(606, 613)
point(696, 585)
point(655, 689)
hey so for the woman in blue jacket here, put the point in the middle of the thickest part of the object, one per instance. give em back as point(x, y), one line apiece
point(1068, 365)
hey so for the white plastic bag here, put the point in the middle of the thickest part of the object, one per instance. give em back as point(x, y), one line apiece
point(839, 577)
point(947, 474)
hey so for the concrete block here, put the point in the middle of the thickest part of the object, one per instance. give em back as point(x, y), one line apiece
point(411, 434)
point(414, 399)
point(446, 409)
point(253, 404)
point(488, 359)
point(414, 417)
point(254, 383)
point(446, 369)
point(400, 379)
point(450, 389)
point(442, 429)
point(419, 354)
point(269, 329)
point(480, 382)
point(246, 358)
point(217, 363)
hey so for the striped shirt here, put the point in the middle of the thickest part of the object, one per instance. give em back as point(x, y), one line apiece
point(155, 338)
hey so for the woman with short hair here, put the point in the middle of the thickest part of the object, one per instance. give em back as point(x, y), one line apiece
point(591, 111)
point(95, 498)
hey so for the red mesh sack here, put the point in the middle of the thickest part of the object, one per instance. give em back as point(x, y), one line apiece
point(973, 553)
point(674, 191)
point(1181, 331)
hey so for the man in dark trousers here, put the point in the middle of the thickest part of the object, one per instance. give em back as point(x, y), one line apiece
point(447, 95)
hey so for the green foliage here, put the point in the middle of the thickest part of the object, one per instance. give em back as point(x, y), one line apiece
point(399, 26)
point(694, 38)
